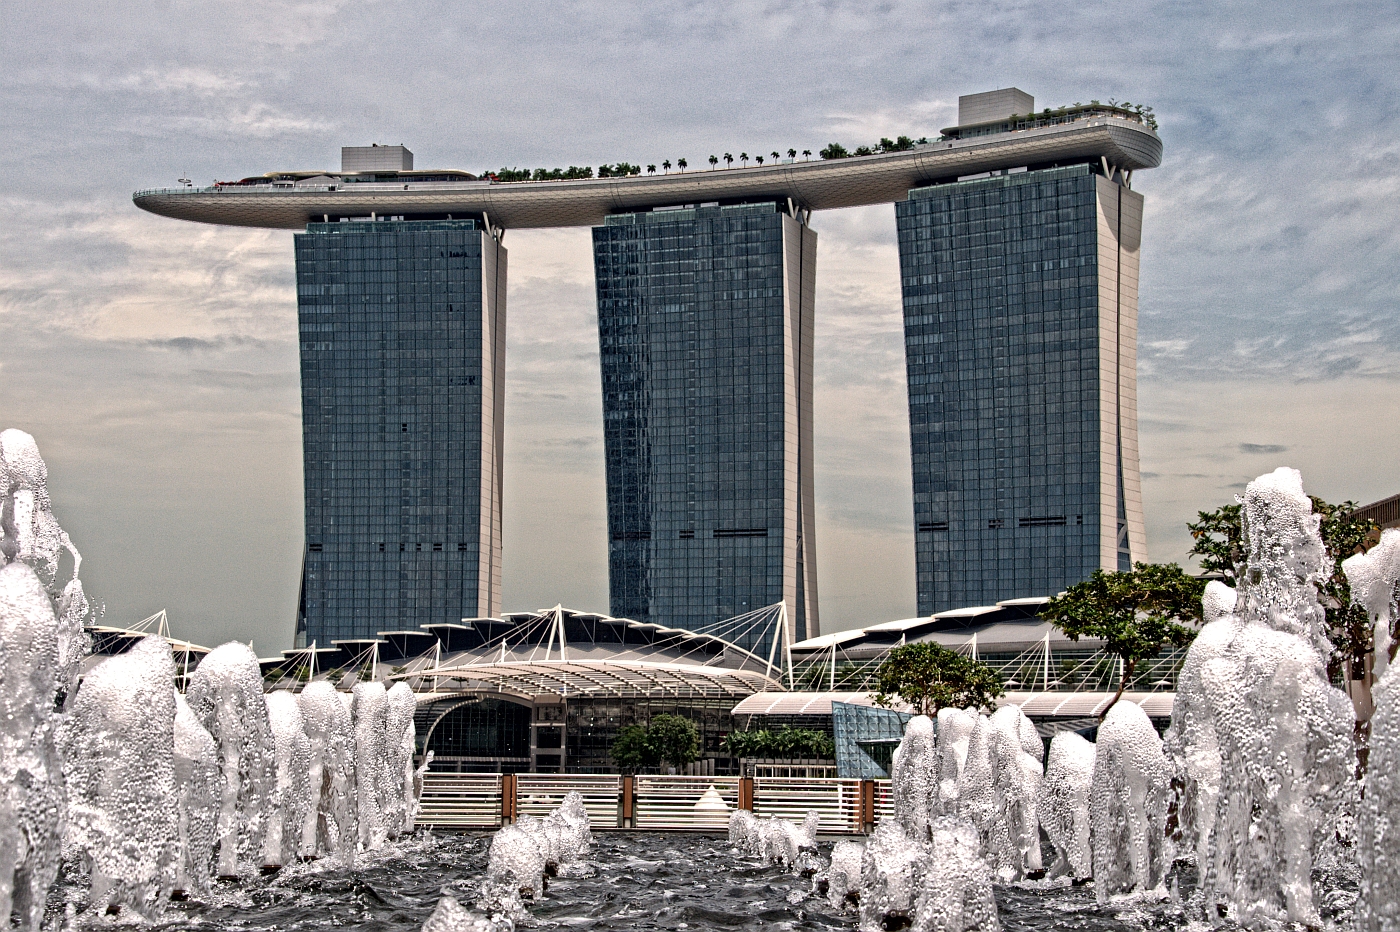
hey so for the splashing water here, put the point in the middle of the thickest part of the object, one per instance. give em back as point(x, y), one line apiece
point(1015, 750)
point(121, 802)
point(331, 827)
point(41, 649)
point(956, 894)
point(1128, 806)
point(843, 876)
point(1257, 695)
point(370, 709)
point(1064, 804)
point(400, 802)
point(1375, 584)
point(226, 695)
point(291, 797)
point(522, 854)
point(196, 770)
point(914, 776)
point(890, 873)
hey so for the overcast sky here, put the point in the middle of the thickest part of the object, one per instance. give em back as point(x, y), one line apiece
point(156, 361)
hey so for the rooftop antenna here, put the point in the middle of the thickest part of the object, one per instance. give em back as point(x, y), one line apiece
point(186, 181)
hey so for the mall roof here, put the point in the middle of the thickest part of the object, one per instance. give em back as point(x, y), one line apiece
point(1036, 705)
point(552, 652)
point(1008, 626)
point(1117, 140)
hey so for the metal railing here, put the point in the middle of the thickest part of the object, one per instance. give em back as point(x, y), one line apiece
point(837, 801)
point(461, 800)
point(680, 803)
point(537, 794)
point(685, 802)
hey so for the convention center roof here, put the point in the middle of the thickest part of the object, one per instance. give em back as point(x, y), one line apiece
point(553, 652)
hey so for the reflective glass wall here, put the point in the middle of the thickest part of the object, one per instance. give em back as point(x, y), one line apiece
point(1020, 322)
point(402, 355)
point(705, 332)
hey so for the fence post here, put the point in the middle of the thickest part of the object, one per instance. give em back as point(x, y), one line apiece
point(746, 793)
point(507, 798)
point(867, 805)
point(629, 802)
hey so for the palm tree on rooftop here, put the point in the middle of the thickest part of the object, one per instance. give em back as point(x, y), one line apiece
point(666, 166)
point(776, 156)
point(728, 160)
point(714, 160)
point(681, 163)
point(651, 169)
point(792, 153)
point(758, 159)
point(806, 154)
point(744, 157)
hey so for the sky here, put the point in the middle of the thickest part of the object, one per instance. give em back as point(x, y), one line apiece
point(155, 361)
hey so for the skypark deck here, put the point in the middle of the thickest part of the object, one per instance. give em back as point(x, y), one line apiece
point(1117, 142)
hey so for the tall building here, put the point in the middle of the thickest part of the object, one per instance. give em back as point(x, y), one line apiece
point(402, 383)
point(705, 332)
point(1020, 323)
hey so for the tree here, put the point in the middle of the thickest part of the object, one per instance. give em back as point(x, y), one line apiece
point(758, 159)
point(681, 163)
point(777, 156)
point(673, 739)
point(728, 160)
point(792, 153)
point(631, 749)
point(806, 154)
point(930, 677)
point(666, 166)
point(834, 150)
point(1219, 544)
point(787, 743)
point(744, 157)
point(651, 169)
point(714, 160)
point(1135, 613)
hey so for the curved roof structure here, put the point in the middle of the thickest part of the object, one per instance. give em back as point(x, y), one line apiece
point(553, 652)
point(1120, 141)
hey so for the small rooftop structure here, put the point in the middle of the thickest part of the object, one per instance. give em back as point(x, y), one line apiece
point(990, 106)
point(375, 158)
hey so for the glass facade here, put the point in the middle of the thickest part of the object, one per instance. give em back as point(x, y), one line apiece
point(705, 333)
point(1020, 323)
point(402, 368)
point(865, 739)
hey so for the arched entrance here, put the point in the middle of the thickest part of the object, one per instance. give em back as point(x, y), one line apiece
point(483, 735)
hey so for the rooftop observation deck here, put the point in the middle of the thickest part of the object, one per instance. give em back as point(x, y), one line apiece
point(1118, 140)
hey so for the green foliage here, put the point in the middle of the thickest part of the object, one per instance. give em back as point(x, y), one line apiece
point(669, 739)
point(1344, 535)
point(620, 170)
point(1219, 543)
point(674, 739)
point(834, 150)
point(631, 750)
point(573, 172)
point(787, 743)
point(930, 677)
point(1135, 613)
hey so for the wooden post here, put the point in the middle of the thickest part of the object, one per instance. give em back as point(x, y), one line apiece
point(507, 798)
point(629, 802)
point(867, 805)
point(746, 793)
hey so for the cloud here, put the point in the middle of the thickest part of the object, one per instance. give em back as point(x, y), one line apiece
point(157, 360)
point(1269, 448)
